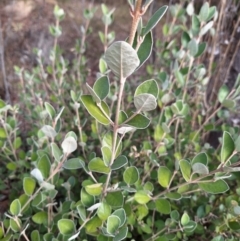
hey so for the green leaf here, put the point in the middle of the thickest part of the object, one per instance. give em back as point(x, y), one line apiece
point(94, 110)
point(3, 133)
point(156, 17)
point(142, 197)
point(163, 206)
point(185, 39)
point(107, 155)
point(15, 226)
point(205, 28)
point(15, 207)
point(97, 165)
point(122, 59)
point(164, 176)
point(201, 49)
point(113, 224)
point(228, 147)
point(175, 215)
point(29, 185)
point(200, 158)
point(49, 131)
point(193, 47)
point(115, 199)
point(93, 225)
point(69, 145)
point(148, 87)
point(131, 175)
point(139, 121)
point(185, 219)
point(73, 164)
point(17, 143)
point(204, 12)
point(119, 162)
point(223, 93)
point(101, 87)
point(121, 234)
point(94, 189)
point(185, 169)
point(82, 212)
point(93, 94)
point(121, 214)
point(66, 226)
point(200, 168)
point(87, 199)
point(234, 225)
point(173, 196)
point(108, 141)
point(122, 117)
point(50, 110)
point(35, 235)
point(145, 102)
point(230, 104)
point(44, 166)
point(219, 186)
point(104, 211)
point(56, 152)
point(142, 212)
point(40, 217)
point(195, 25)
point(212, 11)
point(145, 49)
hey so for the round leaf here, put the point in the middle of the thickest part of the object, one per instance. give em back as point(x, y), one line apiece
point(148, 87)
point(66, 226)
point(115, 199)
point(122, 59)
point(94, 189)
point(69, 145)
point(142, 197)
point(40, 218)
point(145, 102)
point(200, 168)
point(163, 206)
point(200, 158)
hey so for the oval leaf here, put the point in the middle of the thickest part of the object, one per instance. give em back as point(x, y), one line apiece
point(163, 206)
point(94, 110)
point(74, 163)
point(122, 59)
point(69, 145)
point(113, 224)
point(139, 122)
point(148, 87)
point(119, 162)
point(131, 175)
point(101, 87)
point(29, 185)
point(228, 147)
point(220, 186)
point(185, 169)
point(155, 19)
point(15, 207)
point(97, 165)
point(164, 176)
point(145, 102)
point(66, 226)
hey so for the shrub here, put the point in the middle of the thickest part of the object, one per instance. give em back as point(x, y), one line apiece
point(117, 165)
